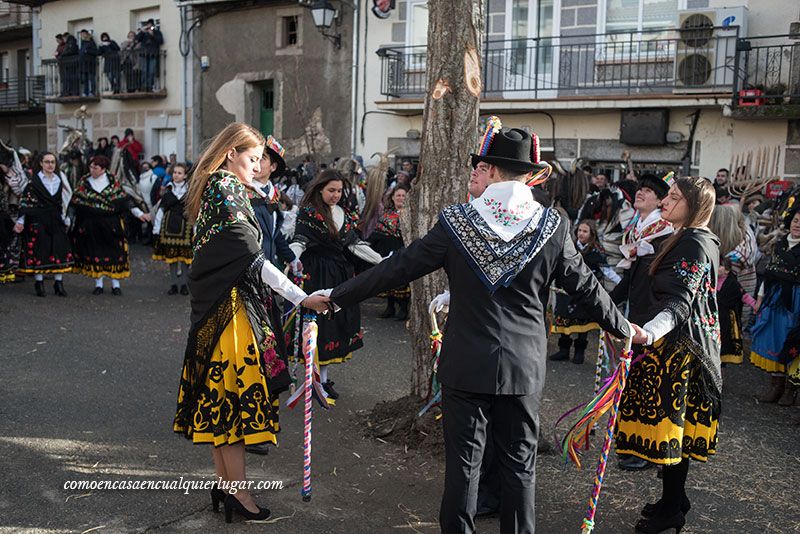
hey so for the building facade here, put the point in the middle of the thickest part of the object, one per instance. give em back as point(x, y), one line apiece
point(267, 64)
point(689, 85)
point(145, 89)
point(22, 106)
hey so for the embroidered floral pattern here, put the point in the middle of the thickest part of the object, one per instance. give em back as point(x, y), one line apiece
point(496, 261)
point(510, 216)
point(692, 273)
point(389, 224)
point(224, 203)
point(106, 200)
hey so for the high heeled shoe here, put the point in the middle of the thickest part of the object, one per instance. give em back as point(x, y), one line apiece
point(659, 523)
point(232, 504)
point(217, 496)
point(651, 509)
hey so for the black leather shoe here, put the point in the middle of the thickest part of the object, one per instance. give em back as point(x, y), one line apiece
point(173, 290)
point(217, 496)
point(39, 287)
point(232, 504)
point(658, 523)
point(58, 287)
point(634, 463)
point(328, 387)
point(560, 356)
point(260, 448)
point(651, 509)
point(184, 290)
point(579, 357)
point(389, 311)
point(485, 510)
point(97, 291)
point(116, 291)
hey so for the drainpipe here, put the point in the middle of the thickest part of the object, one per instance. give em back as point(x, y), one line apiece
point(354, 83)
point(184, 95)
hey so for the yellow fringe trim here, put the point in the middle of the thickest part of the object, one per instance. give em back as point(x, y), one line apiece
point(574, 329)
point(54, 270)
point(735, 359)
point(9, 277)
point(766, 364)
point(187, 261)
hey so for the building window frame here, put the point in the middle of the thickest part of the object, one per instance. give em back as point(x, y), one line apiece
point(282, 47)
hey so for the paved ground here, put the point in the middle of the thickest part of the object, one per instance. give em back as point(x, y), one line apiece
point(88, 392)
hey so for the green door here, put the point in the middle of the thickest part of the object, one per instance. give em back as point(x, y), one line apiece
point(267, 111)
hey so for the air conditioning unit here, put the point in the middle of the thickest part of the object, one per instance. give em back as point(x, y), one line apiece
point(705, 51)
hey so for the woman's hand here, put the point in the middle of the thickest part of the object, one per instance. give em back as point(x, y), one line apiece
point(18, 228)
point(318, 303)
point(639, 335)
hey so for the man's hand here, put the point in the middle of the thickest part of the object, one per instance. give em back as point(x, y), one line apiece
point(144, 217)
point(318, 303)
point(19, 227)
point(440, 303)
point(296, 266)
point(639, 335)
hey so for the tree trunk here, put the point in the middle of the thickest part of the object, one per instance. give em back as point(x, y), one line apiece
point(449, 135)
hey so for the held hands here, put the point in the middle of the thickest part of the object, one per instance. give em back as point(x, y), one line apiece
point(440, 303)
point(19, 227)
point(639, 335)
point(296, 266)
point(144, 217)
point(318, 303)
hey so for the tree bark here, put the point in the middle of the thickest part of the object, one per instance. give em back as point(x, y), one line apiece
point(449, 135)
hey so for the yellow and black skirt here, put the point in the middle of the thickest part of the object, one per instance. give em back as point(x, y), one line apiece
point(665, 415)
point(732, 350)
point(235, 404)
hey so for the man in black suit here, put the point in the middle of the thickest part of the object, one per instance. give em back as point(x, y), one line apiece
point(501, 252)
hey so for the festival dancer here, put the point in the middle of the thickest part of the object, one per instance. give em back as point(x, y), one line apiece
point(324, 240)
point(234, 363)
point(172, 231)
point(43, 224)
point(494, 350)
point(99, 244)
point(730, 297)
point(778, 314)
point(568, 317)
point(671, 403)
point(387, 239)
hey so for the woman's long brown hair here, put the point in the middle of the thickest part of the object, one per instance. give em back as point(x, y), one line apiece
point(700, 199)
point(313, 197)
point(237, 136)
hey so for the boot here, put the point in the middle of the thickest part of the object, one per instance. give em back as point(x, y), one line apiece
point(39, 287)
point(402, 310)
point(58, 287)
point(580, 349)
point(564, 343)
point(389, 311)
point(789, 393)
point(775, 391)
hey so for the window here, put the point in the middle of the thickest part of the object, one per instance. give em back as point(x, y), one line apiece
point(290, 33)
point(417, 33)
point(3, 67)
point(640, 15)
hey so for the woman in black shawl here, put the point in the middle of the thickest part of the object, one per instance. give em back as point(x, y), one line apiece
point(234, 365)
point(670, 407)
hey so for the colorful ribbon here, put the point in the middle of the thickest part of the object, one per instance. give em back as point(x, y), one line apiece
point(434, 396)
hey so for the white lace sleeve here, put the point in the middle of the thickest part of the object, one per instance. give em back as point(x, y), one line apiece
point(661, 325)
point(365, 252)
point(275, 279)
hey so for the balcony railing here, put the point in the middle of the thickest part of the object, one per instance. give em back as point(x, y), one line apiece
point(768, 83)
point(657, 62)
point(22, 94)
point(117, 75)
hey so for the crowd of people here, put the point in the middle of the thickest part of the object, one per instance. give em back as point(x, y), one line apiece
point(130, 66)
point(672, 263)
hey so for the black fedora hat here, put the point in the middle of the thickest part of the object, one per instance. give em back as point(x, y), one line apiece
point(511, 149)
point(276, 152)
point(654, 183)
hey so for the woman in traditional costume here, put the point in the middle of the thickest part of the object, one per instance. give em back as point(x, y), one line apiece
point(671, 404)
point(568, 317)
point(234, 365)
point(773, 348)
point(386, 239)
point(43, 225)
point(173, 232)
point(99, 244)
point(327, 244)
point(731, 297)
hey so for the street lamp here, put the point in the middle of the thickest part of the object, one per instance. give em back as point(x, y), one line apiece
point(324, 14)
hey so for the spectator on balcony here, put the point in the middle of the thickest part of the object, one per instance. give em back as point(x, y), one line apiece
point(67, 64)
point(114, 141)
point(132, 145)
point(88, 64)
point(60, 46)
point(109, 49)
point(129, 56)
point(150, 39)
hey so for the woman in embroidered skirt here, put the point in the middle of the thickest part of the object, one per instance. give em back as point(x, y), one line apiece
point(671, 404)
point(730, 299)
point(326, 242)
point(568, 319)
point(773, 348)
point(43, 224)
point(173, 232)
point(99, 244)
point(387, 238)
point(234, 365)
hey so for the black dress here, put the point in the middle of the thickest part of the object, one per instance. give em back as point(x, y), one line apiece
point(45, 244)
point(729, 300)
point(569, 316)
point(9, 240)
point(174, 240)
point(98, 236)
point(327, 262)
point(386, 239)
